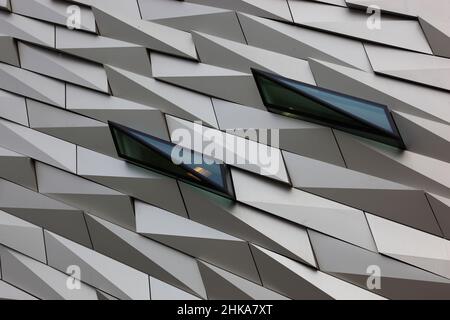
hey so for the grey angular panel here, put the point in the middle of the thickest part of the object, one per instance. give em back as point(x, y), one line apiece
point(127, 8)
point(22, 236)
point(412, 246)
point(151, 257)
point(300, 282)
point(32, 85)
point(403, 7)
point(397, 95)
point(132, 180)
point(370, 194)
point(164, 291)
point(340, 3)
point(39, 279)
point(398, 280)
point(8, 51)
point(13, 108)
point(394, 32)
point(97, 270)
point(189, 16)
point(273, 166)
point(37, 145)
point(340, 207)
point(237, 56)
point(248, 223)
point(406, 167)
point(104, 108)
point(104, 296)
point(424, 136)
point(27, 29)
point(149, 34)
point(294, 135)
point(52, 11)
point(207, 79)
point(85, 195)
point(433, 18)
point(44, 212)
point(17, 168)
point(63, 67)
point(305, 209)
point(167, 98)
point(71, 127)
point(421, 68)
point(104, 50)
point(438, 40)
point(274, 9)
point(197, 240)
point(222, 285)
point(441, 208)
point(8, 292)
point(5, 5)
point(303, 43)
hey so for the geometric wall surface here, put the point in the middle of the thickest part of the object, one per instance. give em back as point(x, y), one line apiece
point(358, 208)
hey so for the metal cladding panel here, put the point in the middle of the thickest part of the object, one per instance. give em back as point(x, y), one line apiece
point(334, 167)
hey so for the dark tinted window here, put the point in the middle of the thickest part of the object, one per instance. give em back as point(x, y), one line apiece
point(303, 101)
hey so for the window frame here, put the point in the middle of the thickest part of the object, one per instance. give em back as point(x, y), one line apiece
point(377, 130)
point(227, 190)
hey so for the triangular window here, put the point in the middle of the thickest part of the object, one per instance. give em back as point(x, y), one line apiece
point(303, 101)
point(156, 154)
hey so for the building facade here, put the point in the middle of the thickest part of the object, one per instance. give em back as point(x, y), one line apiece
point(224, 149)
